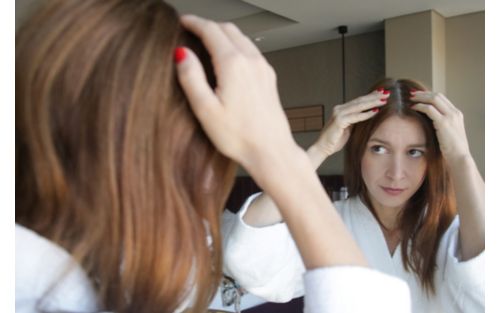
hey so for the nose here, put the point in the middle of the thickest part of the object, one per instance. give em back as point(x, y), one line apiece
point(396, 168)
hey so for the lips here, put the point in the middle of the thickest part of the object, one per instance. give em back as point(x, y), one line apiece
point(393, 191)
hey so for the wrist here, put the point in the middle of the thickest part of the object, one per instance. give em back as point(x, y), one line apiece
point(317, 154)
point(459, 161)
point(328, 144)
point(461, 166)
point(274, 162)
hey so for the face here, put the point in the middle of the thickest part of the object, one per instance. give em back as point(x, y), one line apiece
point(393, 165)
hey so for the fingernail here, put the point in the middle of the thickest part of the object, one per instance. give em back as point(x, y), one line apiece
point(381, 89)
point(375, 110)
point(383, 100)
point(386, 92)
point(412, 90)
point(179, 54)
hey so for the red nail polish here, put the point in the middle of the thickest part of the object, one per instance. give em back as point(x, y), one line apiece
point(383, 100)
point(179, 54)
point(412, 90)
point(386, 92)
point(375, 110)
point(381, 89)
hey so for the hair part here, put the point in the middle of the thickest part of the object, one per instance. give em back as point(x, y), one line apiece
point(429, 212)
point(111, 163)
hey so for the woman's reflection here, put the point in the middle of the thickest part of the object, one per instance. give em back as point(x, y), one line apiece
point(409, 172)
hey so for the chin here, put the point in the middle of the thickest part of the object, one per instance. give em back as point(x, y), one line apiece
point(391, 202)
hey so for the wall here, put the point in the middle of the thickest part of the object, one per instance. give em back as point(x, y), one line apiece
point(446, 54)
point(312, 74)
point(465, 85)
point(408, 47)
point(24, 8)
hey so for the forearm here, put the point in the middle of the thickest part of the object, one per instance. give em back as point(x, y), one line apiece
point(469, 191)
point(263, 211)
point(320, 235)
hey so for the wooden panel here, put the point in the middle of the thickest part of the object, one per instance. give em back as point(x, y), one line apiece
point(301, 112)
point(314, 123)
point(297, 124)
point(245, 186)
point(307, 118)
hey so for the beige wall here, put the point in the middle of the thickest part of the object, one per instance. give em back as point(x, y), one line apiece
point(438, 52)
point(416, 48)
point(408, 39)
point(448, 56)
point(465, 76)
point(24, 8)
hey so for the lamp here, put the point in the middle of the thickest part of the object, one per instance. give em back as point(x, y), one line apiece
point(343, 30)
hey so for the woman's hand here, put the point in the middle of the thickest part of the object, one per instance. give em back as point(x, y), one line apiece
point(448, 122)
point(245, 121)
point(243, 117)
point(336, 133)
point(467, 181)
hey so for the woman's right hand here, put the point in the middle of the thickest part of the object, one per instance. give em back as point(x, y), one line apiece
point(338, 129)
point(243, 117)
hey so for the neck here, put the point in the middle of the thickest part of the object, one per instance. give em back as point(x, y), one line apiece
point(387, 216)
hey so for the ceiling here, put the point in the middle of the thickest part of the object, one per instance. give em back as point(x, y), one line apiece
point(281, 24)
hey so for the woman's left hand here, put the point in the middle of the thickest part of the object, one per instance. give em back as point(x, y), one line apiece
point(467, 181)
point(448, 122)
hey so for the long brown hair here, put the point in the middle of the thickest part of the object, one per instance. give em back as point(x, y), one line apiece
point(111, 163)
point(431, 209)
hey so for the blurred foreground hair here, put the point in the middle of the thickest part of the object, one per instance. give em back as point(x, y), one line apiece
point(111, 163)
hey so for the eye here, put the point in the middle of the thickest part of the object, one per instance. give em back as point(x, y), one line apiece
point(415, 153)
point(378, 149)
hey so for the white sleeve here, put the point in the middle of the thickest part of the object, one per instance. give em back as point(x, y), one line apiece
point(263, 260)
point(351, 289)
point(39, 265)
point(459, 284)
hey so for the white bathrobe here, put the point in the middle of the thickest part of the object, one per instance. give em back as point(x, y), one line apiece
point(40, 262)
point(266, 262)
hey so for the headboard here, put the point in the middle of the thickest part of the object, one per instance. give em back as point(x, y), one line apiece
point(244, 186)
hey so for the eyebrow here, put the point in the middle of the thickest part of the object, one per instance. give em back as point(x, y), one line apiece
point(417, 145)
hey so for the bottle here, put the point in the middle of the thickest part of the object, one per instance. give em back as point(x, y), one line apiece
point(343, 193)
point(335, 196)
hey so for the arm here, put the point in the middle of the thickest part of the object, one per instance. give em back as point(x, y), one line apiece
point(354, 289)
point(263, 211)
point(245, 121)
point(469, 192)
point(318, 231)
point(459, 284)
point(264, 146)
point(467, 182)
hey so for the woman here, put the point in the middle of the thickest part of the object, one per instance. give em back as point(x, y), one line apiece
point(119, 191)
point(408, 170)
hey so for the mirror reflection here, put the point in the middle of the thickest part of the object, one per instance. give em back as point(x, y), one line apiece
point(386, 100)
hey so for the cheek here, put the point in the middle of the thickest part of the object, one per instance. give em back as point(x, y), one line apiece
point(369, 168)
point(419, 171)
